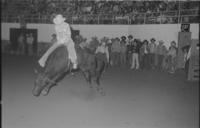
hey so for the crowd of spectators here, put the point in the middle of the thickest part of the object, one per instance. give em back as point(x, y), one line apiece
point(133, 53)
point(77, 9)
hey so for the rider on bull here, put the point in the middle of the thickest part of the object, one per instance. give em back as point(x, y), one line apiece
point(63, 34)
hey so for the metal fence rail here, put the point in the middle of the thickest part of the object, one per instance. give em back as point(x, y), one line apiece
point(186, 16)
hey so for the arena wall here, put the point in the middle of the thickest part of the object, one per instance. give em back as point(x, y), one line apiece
point(165, 32)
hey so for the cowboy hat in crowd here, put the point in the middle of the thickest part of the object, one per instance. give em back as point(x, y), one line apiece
point(130, 37)
point(153, 39)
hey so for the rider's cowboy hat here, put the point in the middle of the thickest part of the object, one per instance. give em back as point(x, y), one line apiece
point(58, 19)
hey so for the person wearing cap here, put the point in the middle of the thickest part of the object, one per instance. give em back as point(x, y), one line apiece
point(152, 48)
point(63, 34)
point(160, 53)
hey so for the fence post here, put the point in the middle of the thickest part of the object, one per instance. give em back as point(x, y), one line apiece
point(98, 19)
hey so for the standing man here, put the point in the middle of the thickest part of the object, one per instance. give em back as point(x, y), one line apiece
point(135, 55)
point(128, 50)
point(152, 48)
point(116, 48)
point(161, 52)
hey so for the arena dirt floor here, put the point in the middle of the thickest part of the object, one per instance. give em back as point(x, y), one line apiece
point(134, 99)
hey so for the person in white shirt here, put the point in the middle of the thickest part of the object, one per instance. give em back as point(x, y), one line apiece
point(102, 49)
point(63, 34)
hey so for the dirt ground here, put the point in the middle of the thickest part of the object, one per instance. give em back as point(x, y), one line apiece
point(134, 99)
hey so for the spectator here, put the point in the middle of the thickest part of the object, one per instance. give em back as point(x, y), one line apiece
point(152, 48)
point(123, 50)
point(144, 53)
point(83, 44)
point(160, 53)
point(93, 44)
point(172, 53)
point(21, 41)
point(54, 39)
point(128, 53)
point(102, 51)
point(135, 55)
point(115, 52)
point(30, 40)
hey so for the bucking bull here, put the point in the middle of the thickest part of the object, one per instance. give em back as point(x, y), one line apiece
point(58, 66)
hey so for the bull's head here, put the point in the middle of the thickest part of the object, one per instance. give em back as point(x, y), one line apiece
point(40, 84)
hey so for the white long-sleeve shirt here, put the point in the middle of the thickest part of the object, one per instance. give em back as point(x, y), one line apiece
point(63, 33)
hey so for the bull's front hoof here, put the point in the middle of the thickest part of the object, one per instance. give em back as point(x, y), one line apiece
point(45, 91)
point(35, 93)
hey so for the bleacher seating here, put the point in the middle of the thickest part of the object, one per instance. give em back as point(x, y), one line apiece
point(102, 12)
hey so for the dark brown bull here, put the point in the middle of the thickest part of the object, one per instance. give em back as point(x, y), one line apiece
point(58, 65)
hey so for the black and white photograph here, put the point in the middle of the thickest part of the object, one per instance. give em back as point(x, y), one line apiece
point(100, 63)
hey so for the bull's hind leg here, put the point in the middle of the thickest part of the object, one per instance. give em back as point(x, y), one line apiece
point(87, 76)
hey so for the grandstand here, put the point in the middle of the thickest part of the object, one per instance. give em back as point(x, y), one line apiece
point(102, 12)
